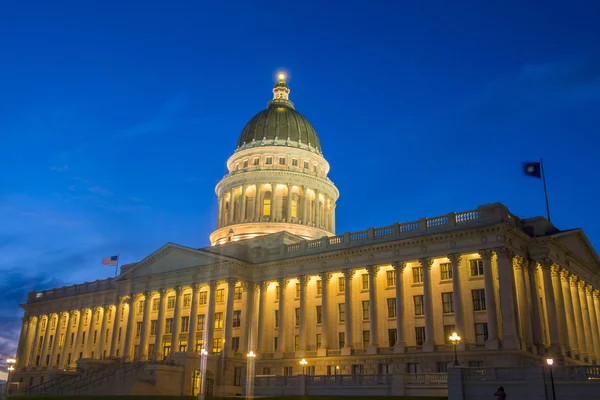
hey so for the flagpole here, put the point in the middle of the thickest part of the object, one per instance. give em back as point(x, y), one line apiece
point(117, 266)
point(545, 190)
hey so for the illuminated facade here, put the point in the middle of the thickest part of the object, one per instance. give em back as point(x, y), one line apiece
point(279, 282)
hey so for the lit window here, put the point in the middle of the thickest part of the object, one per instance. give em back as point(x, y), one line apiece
point(446, 271)
point(365, 281)
point(217, 345)
point(342, 312)
point(153, 327)
point(294, 209)
point(203, 297)
point(417, 274)
point(447, 302)
point(391, 306)
point(201, 322)
point(476, 267)
point(319, 314)
point(171, 302)
point(220, 295)
point(365, 310)
point(199, 344)
point(219, 320)
point(297, 316)
point(341, 284)
point(419, 305)
point(266, 207)
point(319, 287)
point(155, 304)
point(168, 325)
point(187, 299)
point(390, 278)
point(237, 294)
point(185, 324)
point(297, 290)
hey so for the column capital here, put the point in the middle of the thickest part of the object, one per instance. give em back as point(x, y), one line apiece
point(399, 265)
point(556, 270)
point(163, 292)
point(231, 282)
point(517, 262)
point(545, 264)
point(283, 282)
point(325, 276)
point(178, 290)
point(564, 275)
point(589, 290)
point(504, 253)
point(454, 258)
point(63, 313)
point(596, 294)
point(304, 279)
point(426, 262)
point(348, 273)
point(212, 285)
point(485, 254)
point(148, 294)
point(573, 280)
point(264, 285)
point(195, 287)
point(581, 284)
point(372, 270)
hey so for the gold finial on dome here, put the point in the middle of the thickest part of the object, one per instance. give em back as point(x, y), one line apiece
point(281, 77)
point(281, 92)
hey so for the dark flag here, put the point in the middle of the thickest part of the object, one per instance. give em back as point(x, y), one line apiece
point(533, 169)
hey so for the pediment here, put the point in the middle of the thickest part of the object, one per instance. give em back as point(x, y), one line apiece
point(577, 242)
point(172, 258)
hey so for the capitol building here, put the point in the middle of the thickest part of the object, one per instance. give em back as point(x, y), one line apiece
point(280, 282)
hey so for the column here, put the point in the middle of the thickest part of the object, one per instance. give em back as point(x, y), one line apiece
point(325, 278)
point(46, 338)
point(348, 275)
point(536, 307)
point(102, 336)
point(398, 267)
point(116, 325)
point(302, 325)
point(429, 343)
point(288, 206)
point(261, 317)
point(210, 316)
point(332, 227)
point(459, 321)
point(194, 315)
point(250, 317)
point(506, 285)
point(490, 300)
point(90, 345)
point(593, 321)
point(573, 283)
point(142, 349)
point(243, 204)
point(230, 211)
point(129, 332)
point(585, 315)
point(34, 341)
point(554, 348)
point(597, 306)
point(177, 319)
point(23, 341)
point(317, 210)
point(571, 327)
point(56, 341)
point(560, 310)
point(523, 302)
point(282, 325)
point(160, 322)
point(373, 270)
point(79, 336)
point(63, 354)
point(220, 212)
point(231, 282)
point(325, 212)
point(256, 216)
point(305, 207)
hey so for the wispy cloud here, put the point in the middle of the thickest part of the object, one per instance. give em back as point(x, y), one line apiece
point(167, 119)
point(60, 168)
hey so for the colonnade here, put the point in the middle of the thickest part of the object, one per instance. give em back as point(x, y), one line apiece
point(239, 205)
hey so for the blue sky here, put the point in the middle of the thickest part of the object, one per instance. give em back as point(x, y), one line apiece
point(116, 118)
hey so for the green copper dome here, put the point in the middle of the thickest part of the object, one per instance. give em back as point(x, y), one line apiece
point(279, 125)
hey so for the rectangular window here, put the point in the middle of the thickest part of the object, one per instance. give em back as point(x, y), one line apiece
point(297, 290)
point(341, 284)
point(358, 369)
point(281, 160)
point(220, 295)
point(448, 330)
point(171, 302)
point(446, 271)
point(305, 164)
point(476, 364)
point(296, 342)
point(341, 339)
point(481, 333)
point(187, 299)
point(319, 314)
point(237, 293)
point(447, 302)
point(219, 320)
point(383, 369)
point(319, 287)
point(276, 320)
point(419, 305)
point(140, 309)
point(275, 343)
point(201, 322)
point(297, 316)
point(287, 371)
point(153, 327)
point(95, 336)
point(217, 345)
point(255, 161)
point(203, 297)
point(54, 319)
point(315, 168)
point(318, 340)
point(442, 366)
point(417, 274)
point(245, 164)
point(366, 339)
point(269, 160)
point(235, 343)
point(72, 339)
point(478, 299)
point(342, 312)
point(155, 304)
point(266, 207)
point(391, 307)
point(237, 376)
point(476, 267)
point(199, 344)
point(168, 325)
point(183, 346)
point(390, 278)
point(237, 316)
point(365, 310)
point(365, 281)
point(392, 334)
point(294, 208)
point(294, 162)
point(266, 371)
point(185, 324)
point(420, 335)
point(61, 340)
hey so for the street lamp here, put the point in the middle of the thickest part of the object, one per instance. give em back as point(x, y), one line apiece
point(250, 374)
point(11, 367)
point(550, 362)
point(337, 368)
point(455, 339)
point(303, 362)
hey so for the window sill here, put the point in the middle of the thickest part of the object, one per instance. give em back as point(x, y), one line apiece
point(445, 280)
point(418, 284)
point(390, 287)
point(420, 316)
point(475, 278)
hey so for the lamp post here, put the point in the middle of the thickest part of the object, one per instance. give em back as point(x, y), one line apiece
point(303, 362)
point(550, 362)
point(11, 367)
point(202, 391)
point(337, 368)
point(251, 356)
point(455, 339)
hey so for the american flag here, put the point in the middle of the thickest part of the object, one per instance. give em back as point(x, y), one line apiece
point(112, 260)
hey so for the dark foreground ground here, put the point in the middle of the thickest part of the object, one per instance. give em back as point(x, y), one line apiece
point(228, 398)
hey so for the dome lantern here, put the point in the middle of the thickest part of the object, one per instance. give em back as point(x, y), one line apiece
point(281, 93)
